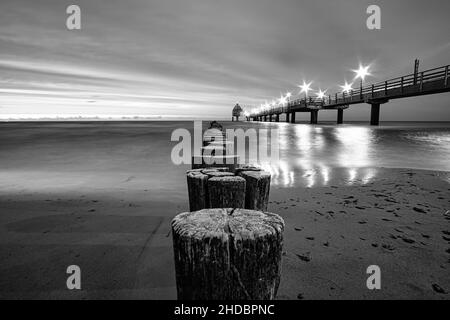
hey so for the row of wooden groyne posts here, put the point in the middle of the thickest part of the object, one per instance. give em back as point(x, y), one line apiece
point(227, 247)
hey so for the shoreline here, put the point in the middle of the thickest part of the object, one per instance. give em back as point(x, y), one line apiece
point(323, 122)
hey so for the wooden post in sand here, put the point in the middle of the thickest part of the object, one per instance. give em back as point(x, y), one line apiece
point(197, 190)
point(226, 192)
point(197, 182)
point(257, 189)
point(227, 254)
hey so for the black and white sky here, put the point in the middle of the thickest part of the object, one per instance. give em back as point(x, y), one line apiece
point(197, 58)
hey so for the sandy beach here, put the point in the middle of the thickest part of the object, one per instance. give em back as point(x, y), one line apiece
point(105, 210)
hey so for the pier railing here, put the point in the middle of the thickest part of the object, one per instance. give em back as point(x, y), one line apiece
point(425, 82)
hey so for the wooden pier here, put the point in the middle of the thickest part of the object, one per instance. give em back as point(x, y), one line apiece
point(427, 82)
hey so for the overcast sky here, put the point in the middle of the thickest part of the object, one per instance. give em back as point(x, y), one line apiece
point(194, 58)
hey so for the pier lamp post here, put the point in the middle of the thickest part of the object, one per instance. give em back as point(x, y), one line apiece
point(282, 100)
point(288, 99)
point(288, 96)
point(321, 95)
point(361, 73)
point(305, 87)
point(346, 88)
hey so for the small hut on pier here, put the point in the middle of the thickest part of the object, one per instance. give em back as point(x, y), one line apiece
point(237, 112)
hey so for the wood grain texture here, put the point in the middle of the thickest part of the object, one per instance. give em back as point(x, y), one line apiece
point(257, 189)
point(227, 254)
point(197, 183)
point(226, 192)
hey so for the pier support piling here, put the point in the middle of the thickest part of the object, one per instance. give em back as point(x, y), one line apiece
point(293, 117)
point(375, 114)
point(277, 117)
point(287, 117)
point(314, 116)
point(340, 116)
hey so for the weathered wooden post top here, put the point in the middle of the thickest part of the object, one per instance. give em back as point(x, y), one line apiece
point(237, 112)
point(227, 253)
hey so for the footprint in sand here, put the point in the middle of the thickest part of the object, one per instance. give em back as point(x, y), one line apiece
point(407, 240)
point(420, 210)
point(437, 288)
point(388, 247)
point(305, 258)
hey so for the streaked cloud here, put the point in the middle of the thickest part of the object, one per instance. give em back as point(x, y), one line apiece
point(197, 58)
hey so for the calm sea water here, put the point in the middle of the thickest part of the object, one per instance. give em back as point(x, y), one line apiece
point(315, 155)
point(310, 155)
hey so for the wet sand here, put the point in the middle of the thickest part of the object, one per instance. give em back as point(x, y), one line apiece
point(400, 222)
point(122, 242)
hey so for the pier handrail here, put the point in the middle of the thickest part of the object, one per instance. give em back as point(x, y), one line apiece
point(369, 91)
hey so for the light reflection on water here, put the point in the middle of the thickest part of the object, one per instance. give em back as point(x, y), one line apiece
point(323, 155)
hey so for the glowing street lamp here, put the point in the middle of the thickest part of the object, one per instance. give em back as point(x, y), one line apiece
point(347, 87)
point(305, 87)
point(288, 97)
point(282, 100)
point(361, 73)
point(321, 94)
